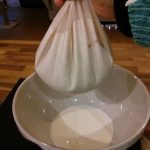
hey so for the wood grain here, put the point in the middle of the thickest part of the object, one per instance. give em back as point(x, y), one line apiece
point(16, 61)
point(18, 47)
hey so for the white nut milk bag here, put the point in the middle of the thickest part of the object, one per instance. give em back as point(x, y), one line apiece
point(74, 55)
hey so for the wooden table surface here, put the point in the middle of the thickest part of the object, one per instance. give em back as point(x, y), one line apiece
point(17, 61)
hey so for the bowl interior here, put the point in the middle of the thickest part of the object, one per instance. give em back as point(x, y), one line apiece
point(105, 116)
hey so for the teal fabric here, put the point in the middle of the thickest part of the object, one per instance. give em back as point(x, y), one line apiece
point(139, 18)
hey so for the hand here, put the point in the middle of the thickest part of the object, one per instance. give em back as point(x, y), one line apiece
point(104, 8)
point(59, 3)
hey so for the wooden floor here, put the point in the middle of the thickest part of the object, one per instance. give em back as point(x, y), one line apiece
point(17, 59)
point(19, 44)
point(18, 47)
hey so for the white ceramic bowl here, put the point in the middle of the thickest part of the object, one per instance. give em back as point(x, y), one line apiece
point(111, 117)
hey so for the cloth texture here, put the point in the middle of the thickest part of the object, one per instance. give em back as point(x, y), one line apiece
point(139, 18)
point(74, 55)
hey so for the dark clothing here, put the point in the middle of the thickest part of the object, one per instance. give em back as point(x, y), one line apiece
point(122, 19)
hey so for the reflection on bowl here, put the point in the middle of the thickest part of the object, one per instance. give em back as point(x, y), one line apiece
point(111, 117)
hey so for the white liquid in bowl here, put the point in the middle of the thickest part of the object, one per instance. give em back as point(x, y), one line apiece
point(81, 127)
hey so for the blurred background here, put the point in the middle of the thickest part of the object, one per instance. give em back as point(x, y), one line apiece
point(23, 23)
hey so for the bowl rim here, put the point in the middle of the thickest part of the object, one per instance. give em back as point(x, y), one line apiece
point(30, 137)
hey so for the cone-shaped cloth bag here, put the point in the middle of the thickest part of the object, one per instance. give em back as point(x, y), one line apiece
point(75, 55)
